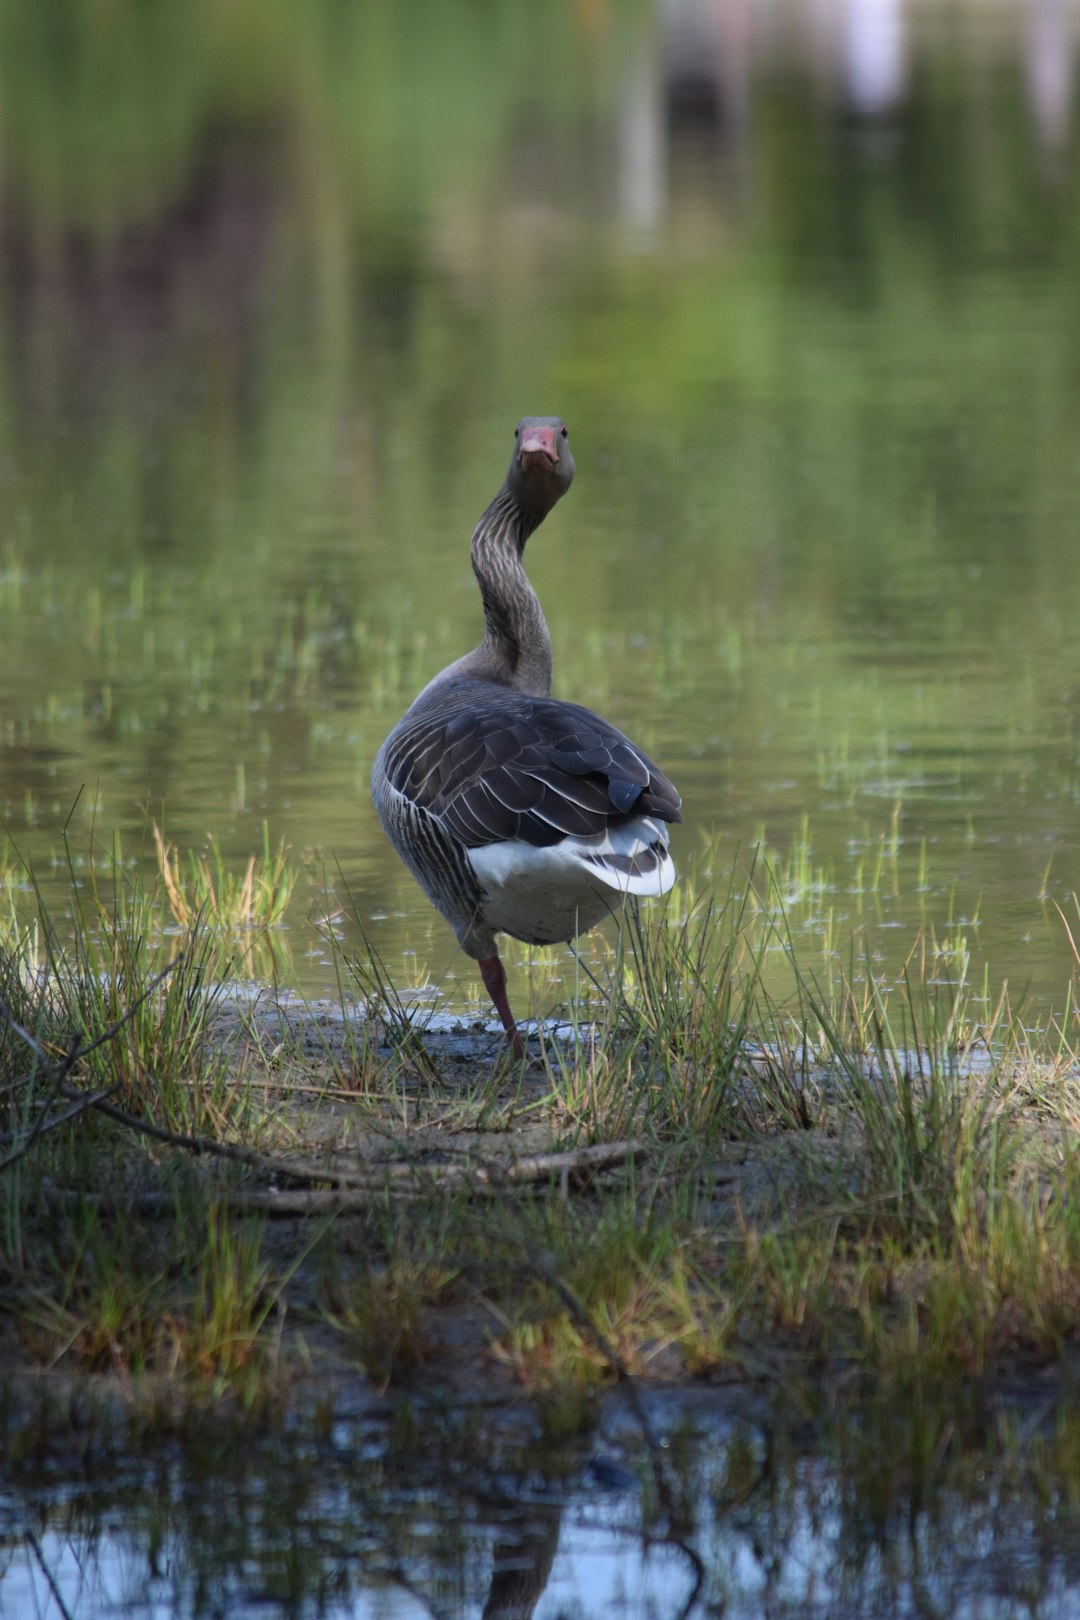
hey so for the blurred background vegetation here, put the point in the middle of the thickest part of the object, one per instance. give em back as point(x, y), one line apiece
point(277, 280)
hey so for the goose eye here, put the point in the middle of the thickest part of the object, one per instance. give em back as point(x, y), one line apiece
point(564, 433)
point(517, 433)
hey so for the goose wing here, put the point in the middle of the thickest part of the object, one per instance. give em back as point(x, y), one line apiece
point(493, 765)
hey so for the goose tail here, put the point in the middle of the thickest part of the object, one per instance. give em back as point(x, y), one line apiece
point(631, 856)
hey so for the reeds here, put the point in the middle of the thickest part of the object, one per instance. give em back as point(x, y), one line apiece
point(876, 1176)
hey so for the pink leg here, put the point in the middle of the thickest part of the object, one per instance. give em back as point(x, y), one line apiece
point(494, 976)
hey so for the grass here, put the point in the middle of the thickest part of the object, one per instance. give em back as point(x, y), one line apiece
point(116, 966)
point(868, 1184)
point(254, 898)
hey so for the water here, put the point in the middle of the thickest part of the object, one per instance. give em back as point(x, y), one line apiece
point(468, 1515)
point(276, 285)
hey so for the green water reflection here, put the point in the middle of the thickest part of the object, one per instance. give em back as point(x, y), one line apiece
point(278, 279)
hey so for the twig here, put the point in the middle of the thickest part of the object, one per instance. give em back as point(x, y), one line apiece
point(193, 1144)
point(353, 1190)
point(58, 1072)
point(535, 1166)
point(40, 1128)
point(56, 1075)
point(289, 1203)
point(293, 1170)
point(17, 1085)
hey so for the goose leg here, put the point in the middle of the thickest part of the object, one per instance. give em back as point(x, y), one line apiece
point(494, 977)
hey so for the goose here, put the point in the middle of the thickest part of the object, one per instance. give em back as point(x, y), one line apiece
point(518, 813)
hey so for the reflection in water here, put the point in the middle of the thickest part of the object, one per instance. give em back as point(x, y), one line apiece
point(694, 74)
point(1051, 47)
point(642, 145)
point(521, 1562)
point(486, 1523)
point(874, 54)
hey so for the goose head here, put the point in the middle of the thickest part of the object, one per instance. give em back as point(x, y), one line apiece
point(541, 467)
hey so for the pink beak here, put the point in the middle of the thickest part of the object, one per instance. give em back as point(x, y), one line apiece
point(537, 442)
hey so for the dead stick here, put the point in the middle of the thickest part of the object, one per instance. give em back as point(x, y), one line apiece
point(355, 1195)
point(289, 1203)
point(58, 1072)
point(56, 1075)
point(204, 1144)
point(42, 1127)
point(532, 1168)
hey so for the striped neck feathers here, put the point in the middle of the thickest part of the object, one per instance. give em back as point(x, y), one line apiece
point(516, 649)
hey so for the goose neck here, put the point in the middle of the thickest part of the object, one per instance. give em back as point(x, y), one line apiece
point(517, 639)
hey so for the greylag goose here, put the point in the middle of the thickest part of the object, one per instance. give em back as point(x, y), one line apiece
point(515, 812)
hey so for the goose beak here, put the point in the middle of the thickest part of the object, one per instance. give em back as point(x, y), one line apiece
point(537, 448)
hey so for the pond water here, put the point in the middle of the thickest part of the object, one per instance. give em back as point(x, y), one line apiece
point(277, 282)
point(433, 1513)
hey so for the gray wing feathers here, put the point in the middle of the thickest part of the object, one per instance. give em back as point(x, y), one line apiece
point(492, 765)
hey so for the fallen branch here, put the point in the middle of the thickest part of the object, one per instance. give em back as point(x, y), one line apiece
point(289, 1203)
point(43, 1124)
point(181, 1139)
point(571, 1164)
point(55, 1073)
point(408, 1175)
point(353, 1190)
